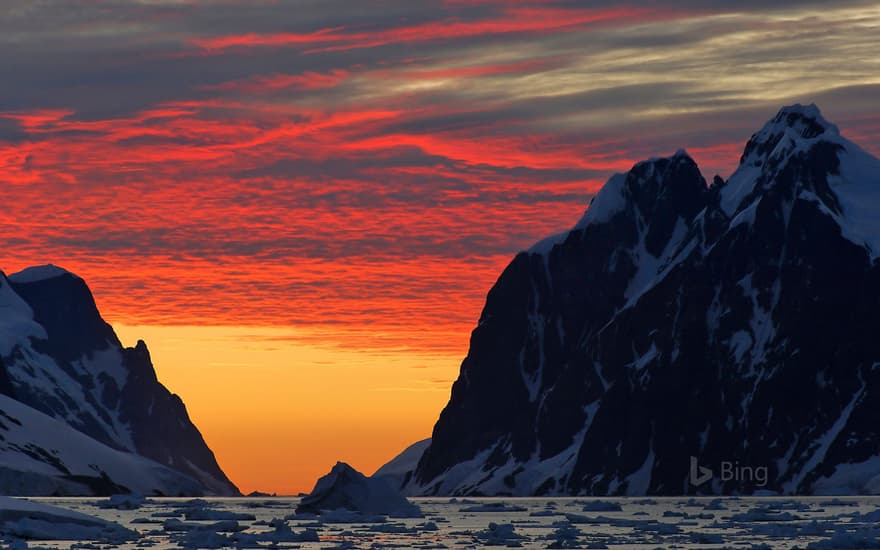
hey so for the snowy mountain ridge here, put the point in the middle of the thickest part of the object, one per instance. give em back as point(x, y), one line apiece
point(85, 414)
point(730, 322)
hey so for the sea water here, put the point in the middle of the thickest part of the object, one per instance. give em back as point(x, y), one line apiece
point(729, 522)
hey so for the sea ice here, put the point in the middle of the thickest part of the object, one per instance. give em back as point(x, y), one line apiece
point(131, 501)
point(502, 534)
point(565, 536)
point(207, 514)
point(226, 526)
point(36, 521)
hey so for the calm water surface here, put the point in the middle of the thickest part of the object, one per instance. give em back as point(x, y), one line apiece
point(816, 522)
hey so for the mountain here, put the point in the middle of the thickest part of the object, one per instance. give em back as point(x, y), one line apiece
point(41, 456)
point(726, 329)
point(114, 426)
point(398, 470)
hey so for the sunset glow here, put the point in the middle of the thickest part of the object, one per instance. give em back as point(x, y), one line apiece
point(300, 208)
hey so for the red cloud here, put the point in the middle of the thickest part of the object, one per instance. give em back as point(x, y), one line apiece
point(511, 19)
point(148, 208)
point(276, 212)
point(261, 84)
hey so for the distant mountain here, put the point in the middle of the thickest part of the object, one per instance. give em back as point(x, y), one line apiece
point(399, 470)
point(684, 337)
point(114, 426)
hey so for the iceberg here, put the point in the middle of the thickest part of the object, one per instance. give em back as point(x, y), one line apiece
point(344, 488)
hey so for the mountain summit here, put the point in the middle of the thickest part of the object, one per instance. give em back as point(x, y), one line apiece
point(681, 328)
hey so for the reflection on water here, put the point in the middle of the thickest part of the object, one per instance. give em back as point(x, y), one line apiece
point(815, 522)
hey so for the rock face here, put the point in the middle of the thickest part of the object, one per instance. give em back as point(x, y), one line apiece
point(60, 358)
point(734, 323)
point(344, 488)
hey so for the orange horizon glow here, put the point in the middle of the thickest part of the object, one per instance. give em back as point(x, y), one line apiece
point(343, 404)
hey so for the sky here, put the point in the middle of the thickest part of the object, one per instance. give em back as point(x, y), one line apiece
point(300, 205)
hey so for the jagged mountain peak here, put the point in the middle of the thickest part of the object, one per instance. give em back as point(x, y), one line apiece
point(676, 321)
point(648, 186)
point(650, 183)
point(807, 120)
point(794, 128)
point(798, 157)
point(657, 164)
point(649, 180)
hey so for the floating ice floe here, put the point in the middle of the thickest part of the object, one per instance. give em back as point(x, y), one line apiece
point(131, 501)
point(28, 520)
point(687, 516)
point(565, 536)
point(208, 514)
point(345, 489)
point(762, 514)
point(867, 517)
point(499, 534)
point(843, 539)
point(229, 534)
point(280, 533)
point(224, 526)
point(839, 502)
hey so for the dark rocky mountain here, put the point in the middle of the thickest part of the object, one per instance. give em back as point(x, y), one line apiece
point(681, 326)
point(61, 359)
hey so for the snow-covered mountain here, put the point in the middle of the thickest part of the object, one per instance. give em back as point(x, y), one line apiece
point(81, 414)
point(398, 470)
point(682, 328)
